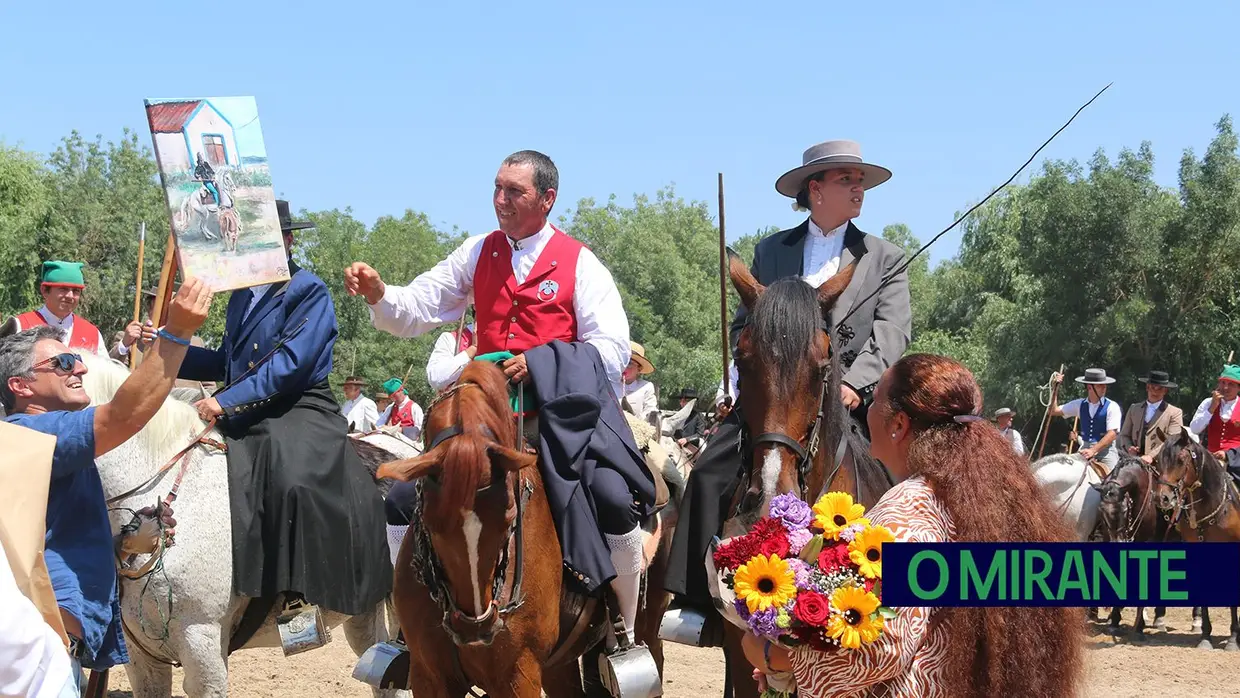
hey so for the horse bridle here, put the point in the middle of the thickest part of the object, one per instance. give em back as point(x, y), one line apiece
point(1183, 492)
point(481, 626)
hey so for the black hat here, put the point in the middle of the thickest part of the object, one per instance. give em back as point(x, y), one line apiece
point(286, 218)
point(687, 394)
point(1160, 378)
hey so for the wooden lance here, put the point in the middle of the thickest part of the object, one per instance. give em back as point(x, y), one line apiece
point(137, 294)
point(723, 292)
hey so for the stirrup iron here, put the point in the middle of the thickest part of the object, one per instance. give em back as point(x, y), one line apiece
point(301, 628)
point(384, 666)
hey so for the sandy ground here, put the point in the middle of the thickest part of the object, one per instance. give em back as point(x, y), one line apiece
point(1169, 664)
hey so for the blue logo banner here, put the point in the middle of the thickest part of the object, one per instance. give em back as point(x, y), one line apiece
point(1061, 574)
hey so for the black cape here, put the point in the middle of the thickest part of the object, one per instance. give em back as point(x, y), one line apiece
point(580, 429)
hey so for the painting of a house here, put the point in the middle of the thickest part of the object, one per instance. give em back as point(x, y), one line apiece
point(222, 209)
point(184, 130)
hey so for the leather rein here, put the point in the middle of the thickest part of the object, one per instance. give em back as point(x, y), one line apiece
point(1183, 492)
point(427, 562)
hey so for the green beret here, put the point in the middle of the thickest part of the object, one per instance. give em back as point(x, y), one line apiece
point(1231, 372)
point(56, 273)
point(392, 385)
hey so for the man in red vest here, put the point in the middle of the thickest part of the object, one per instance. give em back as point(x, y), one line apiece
point(61, 284)
point(532, 284)
point(1217, 420)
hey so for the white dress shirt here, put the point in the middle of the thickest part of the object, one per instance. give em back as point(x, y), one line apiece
point(642, 397)
point(361, 413)
point(821, 259)
point(440, 296)
point(33, 659)
point(1013, 437)
point(1150, 409)
point(1201, 420)
point(446, 363)
point(1114, 419)
point(733, 376)
point(66, 329)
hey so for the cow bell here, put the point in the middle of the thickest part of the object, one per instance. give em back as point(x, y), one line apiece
point(384, 666)
point(301, 629)
point(630, 673)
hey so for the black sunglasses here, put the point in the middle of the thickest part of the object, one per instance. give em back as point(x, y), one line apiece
point(61, 362)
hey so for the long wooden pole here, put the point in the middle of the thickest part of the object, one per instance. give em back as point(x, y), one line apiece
point(167, 278)
point(723, 291)
point(137, 294)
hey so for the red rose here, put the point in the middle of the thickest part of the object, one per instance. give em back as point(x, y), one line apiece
point(775, 545)
point(768, 528)
point(811, 608)
point(833, 557)
point(869, 585)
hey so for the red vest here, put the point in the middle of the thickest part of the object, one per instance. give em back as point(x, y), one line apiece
point(85, 336)
point(517, 317)
point(1223, 436)
point(402, 416)
point(464, 340)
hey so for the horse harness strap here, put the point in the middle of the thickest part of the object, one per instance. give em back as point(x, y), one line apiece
point(806, 454)
point(181, 457)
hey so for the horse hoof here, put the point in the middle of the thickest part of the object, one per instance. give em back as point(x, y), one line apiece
point(1205, 645)
point(1118, 630)
point(1231, 646)
point(1160, 623)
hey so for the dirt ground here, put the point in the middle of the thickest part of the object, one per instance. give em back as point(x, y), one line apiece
point(1169, 664)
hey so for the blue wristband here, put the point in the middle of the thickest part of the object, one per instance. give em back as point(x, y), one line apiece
point(165, 334)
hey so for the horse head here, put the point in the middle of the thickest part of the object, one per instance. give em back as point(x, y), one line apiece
point(471, 497)
point(1178, 471)
point(790, 374)
point(1122, 497)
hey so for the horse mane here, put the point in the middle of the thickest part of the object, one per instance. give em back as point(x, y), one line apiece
point(785, 321)
point(172, 427)
point(479, 404)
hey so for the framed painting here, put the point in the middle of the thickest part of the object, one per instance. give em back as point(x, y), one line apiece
point(213, 167)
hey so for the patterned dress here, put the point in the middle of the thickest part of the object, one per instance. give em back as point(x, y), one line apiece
point(907, 660)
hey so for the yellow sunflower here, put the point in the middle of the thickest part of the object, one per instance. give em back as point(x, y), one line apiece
point(866, 551)
point(765, 582)
point(835, 511)
point(850, 623)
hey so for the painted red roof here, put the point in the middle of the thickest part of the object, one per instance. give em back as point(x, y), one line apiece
point(170, 117)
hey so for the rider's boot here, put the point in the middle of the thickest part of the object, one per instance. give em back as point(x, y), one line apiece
point(301, 625)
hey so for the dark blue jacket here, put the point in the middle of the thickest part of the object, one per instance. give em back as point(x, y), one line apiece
point(580, 427)
point(301, 314)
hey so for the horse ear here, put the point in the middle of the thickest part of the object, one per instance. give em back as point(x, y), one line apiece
point(509, 459)
point(747, 287)
point(831, 289)
point(411, 468)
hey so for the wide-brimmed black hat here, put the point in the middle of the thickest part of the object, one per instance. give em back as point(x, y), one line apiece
point(286, 219)
point(1160, 378)
point(687, 394)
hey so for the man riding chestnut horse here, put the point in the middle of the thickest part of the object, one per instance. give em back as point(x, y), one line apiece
point(533, 285)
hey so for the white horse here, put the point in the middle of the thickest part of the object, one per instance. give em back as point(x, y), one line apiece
point(185, 610)
point(1067, 479)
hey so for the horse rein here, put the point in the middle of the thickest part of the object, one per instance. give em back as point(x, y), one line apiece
point(1183, 492)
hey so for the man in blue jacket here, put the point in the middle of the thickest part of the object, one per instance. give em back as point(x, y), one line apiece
point(308, 519)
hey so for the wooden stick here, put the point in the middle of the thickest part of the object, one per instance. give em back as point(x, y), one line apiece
point(723, 290)
point(1072, 444)
point(167, 277)
point(137, 294)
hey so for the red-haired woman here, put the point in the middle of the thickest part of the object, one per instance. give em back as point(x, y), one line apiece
point(961, 481)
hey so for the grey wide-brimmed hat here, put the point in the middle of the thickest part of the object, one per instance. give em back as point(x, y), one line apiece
point(286, 218)
point(1003, 411)
point(830, 155)
point(1095, 376)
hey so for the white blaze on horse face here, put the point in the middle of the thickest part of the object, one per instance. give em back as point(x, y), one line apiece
point(472, 526)
point(772, 465)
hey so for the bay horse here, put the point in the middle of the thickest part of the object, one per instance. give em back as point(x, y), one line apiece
point(183, 609)
point(1127, 514)
point(1204, 505)
point(480, 587)
point(797, 435)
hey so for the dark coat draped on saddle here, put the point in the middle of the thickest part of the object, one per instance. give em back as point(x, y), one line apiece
point(580, 429)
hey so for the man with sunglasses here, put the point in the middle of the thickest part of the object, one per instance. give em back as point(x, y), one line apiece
point(41, 389)
point(62, 284)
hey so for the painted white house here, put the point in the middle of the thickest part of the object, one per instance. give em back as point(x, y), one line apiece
point(182, 130)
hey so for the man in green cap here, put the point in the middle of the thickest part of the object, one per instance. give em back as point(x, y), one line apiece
point(406, 413)
point(1217, 421)
point(61, 284)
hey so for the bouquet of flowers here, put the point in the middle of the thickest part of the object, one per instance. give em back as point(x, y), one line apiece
point(812, 577)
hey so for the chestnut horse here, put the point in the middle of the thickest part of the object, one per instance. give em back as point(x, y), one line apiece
point(1205, 506)
point(795, 424)
point(1127, 514)
point(478, 589)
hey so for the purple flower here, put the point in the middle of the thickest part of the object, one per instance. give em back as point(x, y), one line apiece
point(742, 608)
point(797, 538)
point(763, 623)
point(791, 511)
point(848, 534)
point(801, 570)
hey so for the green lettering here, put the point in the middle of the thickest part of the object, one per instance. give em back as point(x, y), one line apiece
point(1143, 579)
point(1166, 575)
point(1039, 577)
point(1015, 592)
point(944, 577)
point(1073, 576)
point(1102, 568)
point(971, 577)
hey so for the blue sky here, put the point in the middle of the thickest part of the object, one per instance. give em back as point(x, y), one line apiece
point(387, 106)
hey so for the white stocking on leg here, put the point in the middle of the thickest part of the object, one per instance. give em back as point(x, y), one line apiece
point(627, 558)
point(395, 535)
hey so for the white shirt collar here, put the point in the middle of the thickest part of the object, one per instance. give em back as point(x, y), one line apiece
point(532, 242)
point(1154, 405)
point(50, 318)
point(818, 232)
